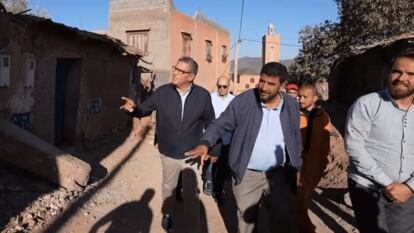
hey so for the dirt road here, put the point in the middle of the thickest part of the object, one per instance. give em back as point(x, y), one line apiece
point(126, 197)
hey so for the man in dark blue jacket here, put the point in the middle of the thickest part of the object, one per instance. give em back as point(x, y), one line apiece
point(183, 111)
point(265, 149)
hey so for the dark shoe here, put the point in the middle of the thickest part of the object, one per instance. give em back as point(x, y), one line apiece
point(166, 223)
point(208, 188)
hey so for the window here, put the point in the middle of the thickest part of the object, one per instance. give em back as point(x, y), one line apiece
point(252, 80)
point(247, 86)
point(224, 54)
point(29, 72)
point(209, 51)
point(139, 39)
point(6, 61)
point(4, 70)
point(186, 44)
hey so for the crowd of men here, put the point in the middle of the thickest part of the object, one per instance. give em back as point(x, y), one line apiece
point(274, 142)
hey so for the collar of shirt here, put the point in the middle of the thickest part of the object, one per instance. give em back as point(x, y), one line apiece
point(183, 93)
point(278, 106)
point(222, 97)
point(394, 103)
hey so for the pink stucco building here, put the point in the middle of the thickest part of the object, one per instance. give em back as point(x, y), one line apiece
point(163, 34)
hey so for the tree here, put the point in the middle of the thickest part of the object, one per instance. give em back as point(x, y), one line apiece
point(319, 44)
point(40, 12)
point(367, 21)
point(362, 22)
point(17, 6)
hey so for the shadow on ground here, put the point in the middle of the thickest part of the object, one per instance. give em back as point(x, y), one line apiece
point(18, 189)
point(189, 213)
point(73, 208)
point(133, 216)
point(227, 207)
point(326, 199)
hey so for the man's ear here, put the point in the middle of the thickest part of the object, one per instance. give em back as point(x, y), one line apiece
point(192, 77)
point(315, 98)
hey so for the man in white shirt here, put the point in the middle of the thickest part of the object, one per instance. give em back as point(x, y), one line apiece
point(221, 98)
point(216, 171)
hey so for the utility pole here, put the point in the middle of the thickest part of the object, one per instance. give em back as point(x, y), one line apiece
point(236, 62)
point(236, 56)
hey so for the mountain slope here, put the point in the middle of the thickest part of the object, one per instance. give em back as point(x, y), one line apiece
point(254, 64)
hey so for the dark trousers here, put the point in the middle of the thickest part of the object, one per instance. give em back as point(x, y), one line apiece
point(376, 213)
point(217, 172)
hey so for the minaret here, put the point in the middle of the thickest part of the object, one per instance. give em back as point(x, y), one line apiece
point(271, 46)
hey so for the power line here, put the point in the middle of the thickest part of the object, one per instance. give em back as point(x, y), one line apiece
point(252, 40)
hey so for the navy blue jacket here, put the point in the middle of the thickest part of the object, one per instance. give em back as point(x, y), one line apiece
point(243, 117)
point(174, 136)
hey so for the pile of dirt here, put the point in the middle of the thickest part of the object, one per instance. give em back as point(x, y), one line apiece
point(27, 202)
point(336, 170)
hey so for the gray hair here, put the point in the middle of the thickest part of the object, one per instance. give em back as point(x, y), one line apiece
point(193, 64)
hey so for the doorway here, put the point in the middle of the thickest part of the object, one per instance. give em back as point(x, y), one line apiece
point(67, 90)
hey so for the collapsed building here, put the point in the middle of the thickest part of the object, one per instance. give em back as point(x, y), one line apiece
point(60, 86)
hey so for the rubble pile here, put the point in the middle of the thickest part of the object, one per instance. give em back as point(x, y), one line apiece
point(336, 170)
point(28, 203)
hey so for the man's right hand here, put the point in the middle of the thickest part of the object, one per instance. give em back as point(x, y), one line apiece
point(199, 151)
point(129, 104)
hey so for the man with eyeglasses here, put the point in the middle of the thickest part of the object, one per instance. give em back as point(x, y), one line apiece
point(184, 109)
point(216, 170)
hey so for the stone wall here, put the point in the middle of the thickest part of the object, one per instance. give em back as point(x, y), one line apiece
point(100, 75)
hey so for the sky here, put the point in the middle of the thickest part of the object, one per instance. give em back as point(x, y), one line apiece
point(287, 16)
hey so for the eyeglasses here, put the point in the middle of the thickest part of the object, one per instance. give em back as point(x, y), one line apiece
point(222, 86)
point(180, 71)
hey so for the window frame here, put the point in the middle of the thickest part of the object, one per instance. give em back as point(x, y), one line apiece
point(209, 50)
point(139, 39)
point(186, 44)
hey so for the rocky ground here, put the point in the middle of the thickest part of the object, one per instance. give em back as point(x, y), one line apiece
point(124, 194)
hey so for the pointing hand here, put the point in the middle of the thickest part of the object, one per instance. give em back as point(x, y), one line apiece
point(129, 104)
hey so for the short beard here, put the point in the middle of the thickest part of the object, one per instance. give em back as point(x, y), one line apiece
point(268, 99)
point(398, 93)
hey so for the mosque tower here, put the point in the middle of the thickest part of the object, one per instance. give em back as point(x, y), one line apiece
point(271, 46)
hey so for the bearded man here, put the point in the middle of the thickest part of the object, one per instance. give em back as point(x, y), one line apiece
point(380, 143)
